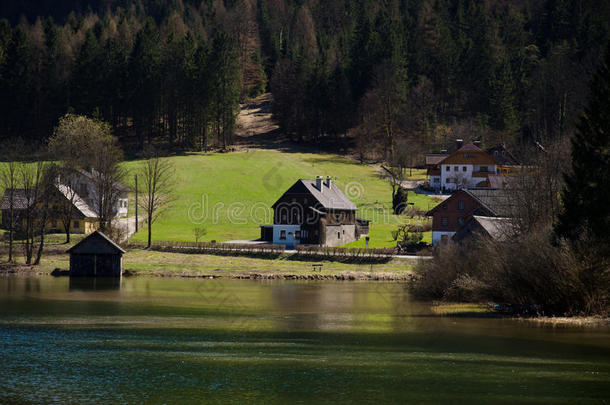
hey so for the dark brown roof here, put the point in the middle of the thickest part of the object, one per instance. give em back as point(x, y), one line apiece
point(502, 156)
point(469, 154)
point(96, 243)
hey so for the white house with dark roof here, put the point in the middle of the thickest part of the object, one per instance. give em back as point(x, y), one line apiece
point(314, 212)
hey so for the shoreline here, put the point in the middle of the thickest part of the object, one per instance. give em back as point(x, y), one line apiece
point(441, 309)
point(23, 270)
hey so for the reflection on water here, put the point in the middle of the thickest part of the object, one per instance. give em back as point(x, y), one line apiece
point(94, 283)
point(176, 340)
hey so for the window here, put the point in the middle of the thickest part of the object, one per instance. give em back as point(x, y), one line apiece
point(445, 207)
point(483, 168)
point(463, 168)
point(76, 224)
point(344, 232)
point(337, 217)
point(282, 235)
point(448, 168)
point(297, 235)
point(338, 235)
point(461, 221)
point(461, 205)
point(456, 168)
point(437, 179)
point(445, 221)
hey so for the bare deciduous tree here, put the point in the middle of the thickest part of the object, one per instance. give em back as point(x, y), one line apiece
point(156, 186)
point(199, 232)
point(8, 176)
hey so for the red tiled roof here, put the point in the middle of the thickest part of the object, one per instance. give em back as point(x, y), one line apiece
point(469, 154)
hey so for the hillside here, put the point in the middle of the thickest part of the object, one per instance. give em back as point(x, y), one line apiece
point(231, 194)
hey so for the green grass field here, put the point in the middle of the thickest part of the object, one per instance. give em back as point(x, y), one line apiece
point(231, 194)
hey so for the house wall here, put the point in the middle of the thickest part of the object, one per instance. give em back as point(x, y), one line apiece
point(435, 182)
point(437, 236)
point(95, 265)
point(337, 235)
point(289, 233)
point(452, 211)
point(464, 175)
point(87, 191)
point(85, 226)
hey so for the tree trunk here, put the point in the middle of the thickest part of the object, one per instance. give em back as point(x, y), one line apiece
point(10, 231)
point(149, 231)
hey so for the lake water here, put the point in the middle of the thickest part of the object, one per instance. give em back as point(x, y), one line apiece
point(153, 340)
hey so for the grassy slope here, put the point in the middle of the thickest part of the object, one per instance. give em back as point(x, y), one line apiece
point(238, 189)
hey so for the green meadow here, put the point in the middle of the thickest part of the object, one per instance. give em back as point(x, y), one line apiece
point(231, 194)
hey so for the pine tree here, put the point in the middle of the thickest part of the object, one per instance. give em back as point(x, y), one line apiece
point(586, 194)
point(143, 79)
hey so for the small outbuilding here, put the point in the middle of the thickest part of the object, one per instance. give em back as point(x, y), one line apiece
point(96, 256)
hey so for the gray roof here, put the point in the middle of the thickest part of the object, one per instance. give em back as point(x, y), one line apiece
point(497, 201)
point(502, 181)
point(91, 176)
point(498, 228)
point(79, 203)
point(329, 197)
point(435, 158)
point(96, 243)
point(20, 201)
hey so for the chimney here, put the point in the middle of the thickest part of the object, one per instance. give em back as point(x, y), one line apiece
point(459, 143)
point(477, 143)
point(319, 183)
point(328, 181)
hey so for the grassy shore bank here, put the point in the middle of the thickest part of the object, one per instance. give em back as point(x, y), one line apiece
point(139, 262)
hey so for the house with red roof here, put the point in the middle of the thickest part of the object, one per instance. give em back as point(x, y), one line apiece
point(467, 167)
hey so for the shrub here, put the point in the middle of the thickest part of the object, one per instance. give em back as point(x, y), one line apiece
point(526, 271)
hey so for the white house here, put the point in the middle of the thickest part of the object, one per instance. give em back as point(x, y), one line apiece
point(468, 167)
point(85, 188)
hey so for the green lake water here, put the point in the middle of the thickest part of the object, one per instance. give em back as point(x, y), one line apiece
point(155, 340)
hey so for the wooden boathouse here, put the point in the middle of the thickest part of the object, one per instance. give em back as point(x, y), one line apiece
point(96, 256)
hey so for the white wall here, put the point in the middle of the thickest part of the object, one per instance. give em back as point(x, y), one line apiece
point(437, 235)
point(435, 184)
point(290, 230)
point(464, 177)
point(337, 235)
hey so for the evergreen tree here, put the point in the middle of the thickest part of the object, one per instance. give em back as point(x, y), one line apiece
point(144, 80)
point(586, 194)
point(502, 99)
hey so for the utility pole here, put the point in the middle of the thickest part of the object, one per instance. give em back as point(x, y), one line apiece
point(136, 177)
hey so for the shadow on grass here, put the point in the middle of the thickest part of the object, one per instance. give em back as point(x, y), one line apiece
point(298, 257)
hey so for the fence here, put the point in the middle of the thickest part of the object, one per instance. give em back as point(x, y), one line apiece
point(347, 254)
point(237, 249)
point(267, 250)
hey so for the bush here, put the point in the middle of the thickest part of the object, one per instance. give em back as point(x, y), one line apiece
point(524, 272)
